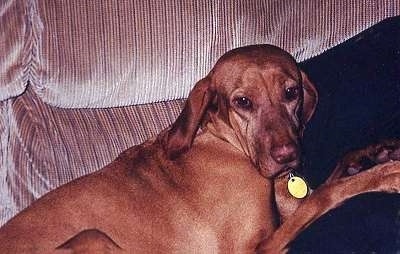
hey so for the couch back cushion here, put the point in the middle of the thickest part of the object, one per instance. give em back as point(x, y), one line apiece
point(105, 53)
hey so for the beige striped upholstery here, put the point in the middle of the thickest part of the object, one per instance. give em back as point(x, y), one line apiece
point(103, 53)
point(43, 146)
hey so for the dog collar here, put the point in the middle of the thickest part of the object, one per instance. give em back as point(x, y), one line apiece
point(297, 186)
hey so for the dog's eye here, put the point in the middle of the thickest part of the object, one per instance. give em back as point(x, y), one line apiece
point(292, 93)
point(243, 102)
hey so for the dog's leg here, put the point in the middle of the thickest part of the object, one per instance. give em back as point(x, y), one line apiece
point(381, 178)
point(352, 163)
point(360, 160)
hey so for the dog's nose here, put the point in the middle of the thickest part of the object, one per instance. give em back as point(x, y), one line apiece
point(284, 153)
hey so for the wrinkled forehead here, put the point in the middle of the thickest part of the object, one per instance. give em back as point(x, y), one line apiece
point(254, 65)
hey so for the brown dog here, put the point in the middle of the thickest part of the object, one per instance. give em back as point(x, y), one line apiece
point(190, 192)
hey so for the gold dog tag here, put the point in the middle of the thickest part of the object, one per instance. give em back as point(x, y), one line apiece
point(297, 186)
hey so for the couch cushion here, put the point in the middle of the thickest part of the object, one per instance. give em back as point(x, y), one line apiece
point(42, 147)
point(112, 53)
point(14, 48)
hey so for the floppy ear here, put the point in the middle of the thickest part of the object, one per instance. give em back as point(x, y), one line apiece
point(179, 138)
point(310, 98)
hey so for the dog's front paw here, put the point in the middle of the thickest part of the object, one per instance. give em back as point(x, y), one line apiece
point(388, 151)
point(363, 159)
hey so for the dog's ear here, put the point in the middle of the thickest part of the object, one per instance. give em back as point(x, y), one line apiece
point(310, 98)
point(179, 138)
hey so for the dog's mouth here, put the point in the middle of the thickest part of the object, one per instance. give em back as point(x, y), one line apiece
point(272, 170)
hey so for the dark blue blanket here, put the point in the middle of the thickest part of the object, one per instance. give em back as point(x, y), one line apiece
point(359, 104)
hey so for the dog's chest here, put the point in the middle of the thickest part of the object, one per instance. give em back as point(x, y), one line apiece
point(232, 218)
point(220, 229)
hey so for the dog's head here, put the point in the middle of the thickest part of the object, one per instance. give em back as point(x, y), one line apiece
point(255, 98)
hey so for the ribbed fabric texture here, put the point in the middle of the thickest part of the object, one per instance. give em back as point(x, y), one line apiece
point(42, 147)
point(107, 53)
point(13, 33)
